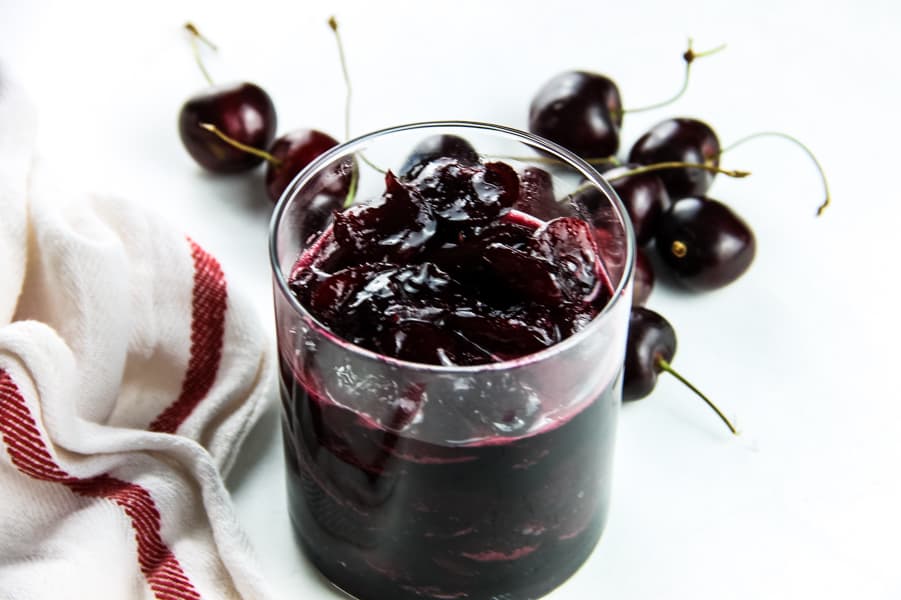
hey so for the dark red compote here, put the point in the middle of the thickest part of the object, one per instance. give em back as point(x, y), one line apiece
point(439, 270)
point(445, 474)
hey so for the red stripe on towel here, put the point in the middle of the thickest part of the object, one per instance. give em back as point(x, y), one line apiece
point(207, 337)
point(30, 455)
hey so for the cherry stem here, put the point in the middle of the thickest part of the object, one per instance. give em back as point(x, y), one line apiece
point(661, 166)
point(244, 147)
point(354, 177)
point(663, 364)
point(689, 57)
point(827, 200)
point(333, 23)
point(196, 35)
point(549, 160)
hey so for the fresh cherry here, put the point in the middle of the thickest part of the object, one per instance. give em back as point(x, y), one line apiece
point(643, 283)
point(680, 140)
point(644, 197)
point(291, 153)
point(242, 111)
point(435, 147)
point(581, 111)
point(651, 340)
point(704, 243)
point(650, 347)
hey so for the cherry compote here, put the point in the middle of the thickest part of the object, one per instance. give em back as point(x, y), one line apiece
point(439, 269)
point(450, 475)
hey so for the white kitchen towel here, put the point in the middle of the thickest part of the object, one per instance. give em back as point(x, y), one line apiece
point(130, 372)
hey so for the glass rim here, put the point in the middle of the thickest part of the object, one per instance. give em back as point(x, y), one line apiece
point(343, 148)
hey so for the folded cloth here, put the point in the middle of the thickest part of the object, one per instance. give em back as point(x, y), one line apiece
point(130, 372)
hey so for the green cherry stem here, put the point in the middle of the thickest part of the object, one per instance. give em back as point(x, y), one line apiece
point(827, 200)
point(664, 365)
point(689, 56)
point(661, 166)
point(333, 23)
point(354, 177)
point(195, 36)
point(235, 143)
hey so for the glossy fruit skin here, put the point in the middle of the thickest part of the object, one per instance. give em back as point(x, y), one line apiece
point(682, 140)
point(645, 198)
point(644, 278)
point(581, 111)
point(242, 111)
point(704, 243)
point(435, 147)
point(296, 150)
point(651, 337)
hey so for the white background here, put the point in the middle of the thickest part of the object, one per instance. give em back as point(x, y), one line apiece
point(801, 352)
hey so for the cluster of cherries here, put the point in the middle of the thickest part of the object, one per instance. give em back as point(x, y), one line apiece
point(231, 128)
point(663, 185)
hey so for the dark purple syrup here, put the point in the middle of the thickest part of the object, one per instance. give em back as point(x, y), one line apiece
point(384, 516)
point(446, 269)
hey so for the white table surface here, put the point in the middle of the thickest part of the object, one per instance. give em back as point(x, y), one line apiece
point(802, 351)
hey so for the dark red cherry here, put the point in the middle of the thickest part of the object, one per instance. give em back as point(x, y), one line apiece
point(704, 243)
point(580, 111)
point(680, 140)
point(644, 196)
point(651, 338)
point(242, 111)
point(650, 347)
point(643, 283)
point(292, 152)
point(435, 147)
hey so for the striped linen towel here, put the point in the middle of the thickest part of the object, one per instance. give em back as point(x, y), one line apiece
point(130, 372)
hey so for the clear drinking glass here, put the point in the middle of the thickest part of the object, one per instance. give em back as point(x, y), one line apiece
point(409, 480)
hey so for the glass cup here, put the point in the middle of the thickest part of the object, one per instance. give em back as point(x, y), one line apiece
point(409, 480)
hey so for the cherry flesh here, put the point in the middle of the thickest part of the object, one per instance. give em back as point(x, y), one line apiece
point(643, 283)
point(242, 111)
point(704, 243)
point(581, 111)
point(536, 195)
point(644, 196)
point(680, 140)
